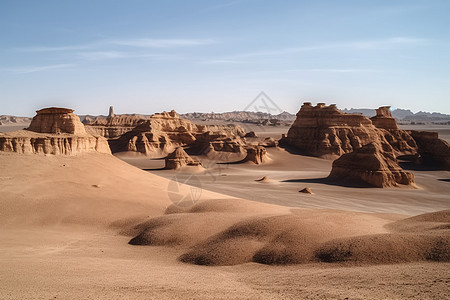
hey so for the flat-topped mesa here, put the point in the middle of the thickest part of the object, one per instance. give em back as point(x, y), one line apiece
point(371, 164)
point(57, 120)
point(53, 131)
point(327, 132)
point(179, 158)
point(384, 119)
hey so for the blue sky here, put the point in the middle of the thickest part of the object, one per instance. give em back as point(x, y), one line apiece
point(198, 55)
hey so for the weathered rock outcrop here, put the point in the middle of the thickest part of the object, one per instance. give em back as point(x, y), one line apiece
point(325, 131)
point(56, 120)
point(256, 154)
point(432, 149)
point(384, 119)
point(53, 131)
point(372, 165)
point(114, 126)
point(164, 132)
point(179, 158)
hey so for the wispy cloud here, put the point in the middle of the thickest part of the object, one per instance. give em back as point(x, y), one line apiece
point(161, 43)
point(355, 45)
point(34, 69)
point(137, 43)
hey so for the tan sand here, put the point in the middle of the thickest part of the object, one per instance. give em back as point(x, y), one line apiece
point(66, 222)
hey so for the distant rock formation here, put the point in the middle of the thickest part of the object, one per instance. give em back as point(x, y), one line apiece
point(384, 119)
point(327, 132)
point(53, 131)
point(372, 165)
point(256, 154)
point(111, 112)
point(113, 126)
point(432, 149)
point(179, 158)
point(164, 132)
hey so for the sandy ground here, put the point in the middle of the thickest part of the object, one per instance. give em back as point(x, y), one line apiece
point(289, 173)
point(66, 222)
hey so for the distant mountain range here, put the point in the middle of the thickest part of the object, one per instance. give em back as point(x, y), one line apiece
point(404, 115)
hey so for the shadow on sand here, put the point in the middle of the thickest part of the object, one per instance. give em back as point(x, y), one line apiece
point(328, 181)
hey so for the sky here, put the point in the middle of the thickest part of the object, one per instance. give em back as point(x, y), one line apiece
point(144, 56)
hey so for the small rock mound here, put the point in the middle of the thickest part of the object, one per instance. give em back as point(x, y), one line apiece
point(264, 179)
point(306, 190)
point(56, 120)
point(179, 158)
point(256, 154)
point(371, 165)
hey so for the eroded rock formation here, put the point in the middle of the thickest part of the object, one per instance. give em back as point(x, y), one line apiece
point(256, 154)
point(371, 164)
point(432, 149)
point(325, 131)
point(164, 132)
point(114, 126)
point(56, 120)
point(384, 119)
point(179, 158)
point(53, 131)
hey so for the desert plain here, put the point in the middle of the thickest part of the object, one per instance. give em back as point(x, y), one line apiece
point(94, 225)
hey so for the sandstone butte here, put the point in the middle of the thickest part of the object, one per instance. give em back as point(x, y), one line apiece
point(163, 132)
point(53, 131)
point(373, 164)
point(327, 132)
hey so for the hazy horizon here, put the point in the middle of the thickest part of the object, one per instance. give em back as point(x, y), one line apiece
point(149, 56)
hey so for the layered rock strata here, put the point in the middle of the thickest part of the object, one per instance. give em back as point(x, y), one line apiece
point(432, 149)
point(371, 164)
point(327, 132)
point(53, 131)
point(164, 132)
point(256, 154)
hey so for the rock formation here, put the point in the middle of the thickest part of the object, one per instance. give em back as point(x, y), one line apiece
point(256, 154)
point(384, 119)
point(53, 131)
point(325, 131)
point(114, 126)
point(179, 158)
point(432, 149)
point(56, 120)
point(111, 112)
point(164, 132)
point(371, 164)
point(269, 142)
point(306, 190)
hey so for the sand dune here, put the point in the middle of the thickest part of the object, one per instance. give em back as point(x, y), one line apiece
point(66, 222)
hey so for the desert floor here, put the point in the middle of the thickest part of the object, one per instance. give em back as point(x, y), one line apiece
point(66, 222)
